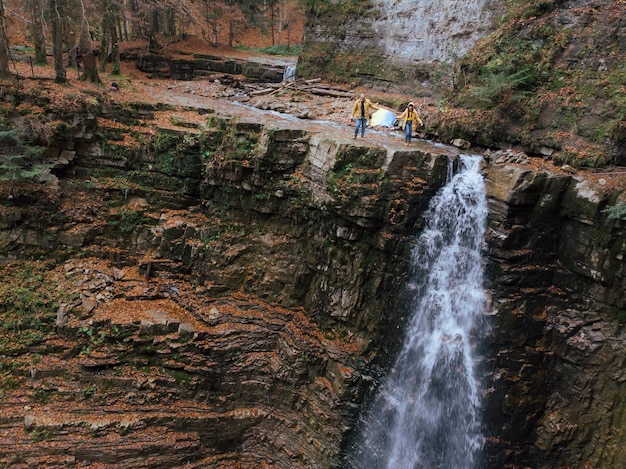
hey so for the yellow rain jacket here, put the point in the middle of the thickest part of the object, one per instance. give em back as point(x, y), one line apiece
point(414, 116)
point(356, 109)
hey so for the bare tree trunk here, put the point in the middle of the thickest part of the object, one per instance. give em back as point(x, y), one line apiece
point(90, 72)
point(170, 22)
point(272, 22)
point(104, 42)
point(115, 50)
point(131, 26)
point(4, 43)
point(110, 37)
point(281, 21)
point(57, 42)
point(36, 11)
point(122, 26)
point(154, 26)
point(153, 44)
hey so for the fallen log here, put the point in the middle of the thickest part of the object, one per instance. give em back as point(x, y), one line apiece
point(261, 92)
point(308, 86)
point(329, 92)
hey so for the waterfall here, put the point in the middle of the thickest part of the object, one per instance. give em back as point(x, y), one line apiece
point(289, 74)
point(426, 412)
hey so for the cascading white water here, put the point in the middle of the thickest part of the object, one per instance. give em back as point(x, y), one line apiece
point(289, 73)
point(426, 412)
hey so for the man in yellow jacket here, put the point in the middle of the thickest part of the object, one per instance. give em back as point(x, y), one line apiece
point(409, 118)
point(361, 112)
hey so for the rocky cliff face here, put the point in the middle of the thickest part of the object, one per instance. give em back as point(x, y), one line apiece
point(431, 31)
point(220, 297)
point(557, 273)
point(545, 76)
point(227, 294)
point(391, 41)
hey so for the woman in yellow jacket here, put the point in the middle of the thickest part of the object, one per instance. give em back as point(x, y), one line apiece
point(361, 112)
point(409, 118)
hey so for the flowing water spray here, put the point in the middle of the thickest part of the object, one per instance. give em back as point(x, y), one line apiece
point(426, 413)
point(289, 74)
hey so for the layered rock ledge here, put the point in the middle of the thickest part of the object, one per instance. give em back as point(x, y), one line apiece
point(228, 291)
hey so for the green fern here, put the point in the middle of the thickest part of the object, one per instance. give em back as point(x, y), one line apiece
point(18, 161)
point(616, 212)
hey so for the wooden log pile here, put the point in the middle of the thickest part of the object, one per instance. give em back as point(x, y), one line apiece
point(313, 86)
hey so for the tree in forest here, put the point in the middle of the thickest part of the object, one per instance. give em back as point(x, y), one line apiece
point(153, 44)
point(4, 43)
point(143, 16)
point(72, 23)
point(104, 41)
point(150, 18)
point(212, 12)
point(271, 7)
point(110, 36)
point(57, 41)
point(37, 22)
point(90, 69)
point(115, 46)
point(287, 15)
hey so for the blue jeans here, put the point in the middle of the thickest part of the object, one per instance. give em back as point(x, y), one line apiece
point(408, 130)
point(360, 123)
